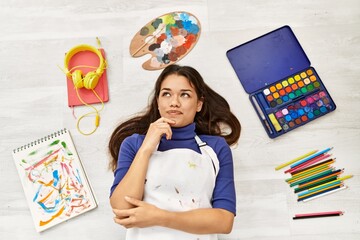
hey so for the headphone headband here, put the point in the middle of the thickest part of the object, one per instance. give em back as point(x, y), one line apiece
point(81, 48)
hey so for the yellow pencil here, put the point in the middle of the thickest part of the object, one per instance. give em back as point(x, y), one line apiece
point(337, 172)
point(321, 190)
point(297, 178)
point(340, 179)
point(311, 169)
point(295, 160)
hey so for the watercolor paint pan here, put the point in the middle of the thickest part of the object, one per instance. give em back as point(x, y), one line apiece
point(293, 102)
point(284, 89)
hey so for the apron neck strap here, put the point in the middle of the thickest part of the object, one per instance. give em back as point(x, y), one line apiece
point(205, 149)
point(199, 142)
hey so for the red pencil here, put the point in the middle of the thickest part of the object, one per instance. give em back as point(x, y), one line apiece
point(318, 214)
point(305, 164)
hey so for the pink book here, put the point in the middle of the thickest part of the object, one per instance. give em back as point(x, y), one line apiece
point(89, 59)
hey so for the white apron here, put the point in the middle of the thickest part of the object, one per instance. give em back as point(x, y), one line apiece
point(178, 180)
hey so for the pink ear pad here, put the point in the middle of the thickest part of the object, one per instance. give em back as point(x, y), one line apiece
point(167, 38)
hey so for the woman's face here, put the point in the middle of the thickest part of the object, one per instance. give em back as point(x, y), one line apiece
point(178, 100)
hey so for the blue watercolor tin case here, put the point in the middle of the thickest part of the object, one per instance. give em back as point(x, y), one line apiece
point(285, 91)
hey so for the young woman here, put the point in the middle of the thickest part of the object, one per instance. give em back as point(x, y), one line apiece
point(172, 164)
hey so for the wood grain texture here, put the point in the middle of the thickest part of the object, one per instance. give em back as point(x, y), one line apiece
point(36, 34)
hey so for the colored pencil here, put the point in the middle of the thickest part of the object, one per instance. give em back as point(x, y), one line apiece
point(308, 163)
point(295, 159)
point(340, 179)
point(308, 174)
point(325, 194)
point(313, 169)
point(320, 188)
point(335, 173)
point(330, 161)
point(312, 177)
point(330, 215)
point(300, 189)
point(318, 214)
point(318, 193)
point(311, 157)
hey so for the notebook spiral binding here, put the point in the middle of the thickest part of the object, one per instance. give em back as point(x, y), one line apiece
point(40, 140)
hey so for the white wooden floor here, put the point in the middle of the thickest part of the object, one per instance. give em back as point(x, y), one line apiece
point(35, 35)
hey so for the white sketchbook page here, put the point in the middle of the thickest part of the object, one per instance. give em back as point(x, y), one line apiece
point(54, 180)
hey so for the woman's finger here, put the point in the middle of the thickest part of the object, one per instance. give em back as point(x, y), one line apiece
point(125, 222)
point(134, 201)
point(122, 213)
point(163, 125)
point(166, 120)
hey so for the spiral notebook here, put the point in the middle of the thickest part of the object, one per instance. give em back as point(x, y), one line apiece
point(54, 180)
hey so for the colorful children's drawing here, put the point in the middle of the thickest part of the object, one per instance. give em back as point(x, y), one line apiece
point(54, 180)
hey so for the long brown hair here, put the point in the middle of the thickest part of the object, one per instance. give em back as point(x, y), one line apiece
point(211, 120)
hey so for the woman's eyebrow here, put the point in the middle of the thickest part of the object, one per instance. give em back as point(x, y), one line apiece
point(165, 89)
point(181, 90)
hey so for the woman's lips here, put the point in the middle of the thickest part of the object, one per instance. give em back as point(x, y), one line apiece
point(174, 112)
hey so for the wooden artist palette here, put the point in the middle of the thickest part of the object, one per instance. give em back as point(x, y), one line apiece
point(167, 38)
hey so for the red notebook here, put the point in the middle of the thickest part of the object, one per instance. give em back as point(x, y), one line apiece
point(87, 58)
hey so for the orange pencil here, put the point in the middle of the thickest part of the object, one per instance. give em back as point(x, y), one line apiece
point(338, 172)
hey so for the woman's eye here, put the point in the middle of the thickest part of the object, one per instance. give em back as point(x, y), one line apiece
point(185, 95)
point(165, 94)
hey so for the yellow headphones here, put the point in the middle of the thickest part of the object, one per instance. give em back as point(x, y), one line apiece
point(91, 79)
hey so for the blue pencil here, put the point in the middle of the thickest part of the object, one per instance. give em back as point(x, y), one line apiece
point(319, 188)
point(310, 157)
point(316, 194)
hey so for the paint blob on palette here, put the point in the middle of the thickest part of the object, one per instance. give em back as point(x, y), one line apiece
point(292, 102)
point(167, 39)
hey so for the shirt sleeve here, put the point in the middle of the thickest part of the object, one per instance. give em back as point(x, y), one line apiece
point(224, 195)
point(127, 152)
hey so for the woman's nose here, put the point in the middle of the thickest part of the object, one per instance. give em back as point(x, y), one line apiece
point(175, 101)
